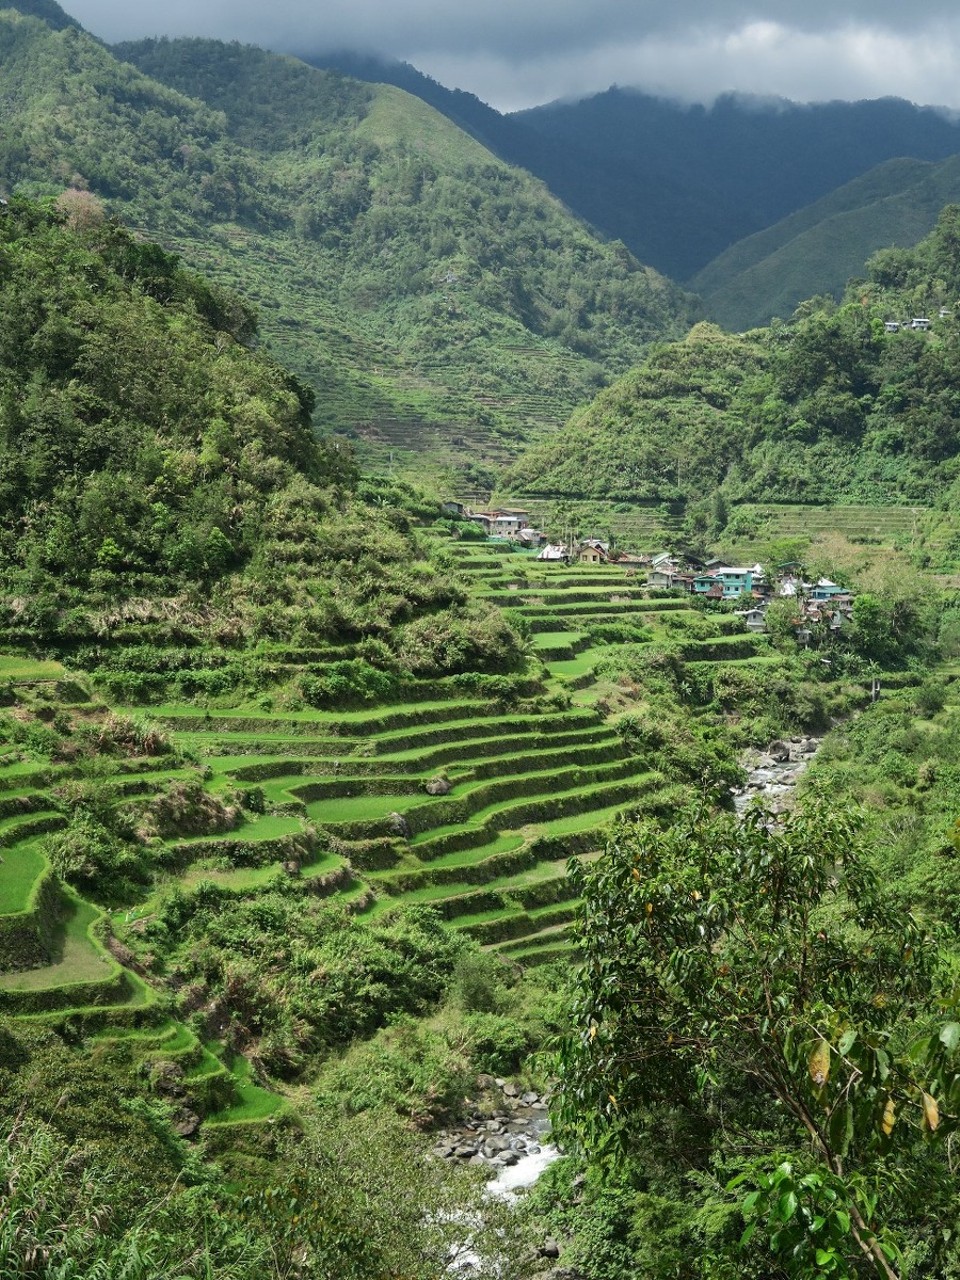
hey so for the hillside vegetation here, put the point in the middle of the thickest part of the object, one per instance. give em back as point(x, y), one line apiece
point(160, 478)
point(291, 773)
point(830, 408)
point(680, 183)
point(818, 249)
point(425, 291)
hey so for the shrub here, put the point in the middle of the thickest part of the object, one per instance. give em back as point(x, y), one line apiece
point(408, 1067)
point(352, 680)
point(479, 982)
point(498, 1044)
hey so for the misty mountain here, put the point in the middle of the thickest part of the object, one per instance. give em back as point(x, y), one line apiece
point(426, 292)
point(696, 179)
point(679, 184)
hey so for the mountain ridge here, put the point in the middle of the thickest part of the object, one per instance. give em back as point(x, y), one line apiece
point(816, 250)
point(830, 408)
point(648, 191)
point(425, 290)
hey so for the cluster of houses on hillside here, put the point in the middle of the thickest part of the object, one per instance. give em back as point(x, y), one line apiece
point(918, 322)
point(513, 523)
point(821, 602)
point(503, 522)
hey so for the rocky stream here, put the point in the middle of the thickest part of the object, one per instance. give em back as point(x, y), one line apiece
point(772, 775)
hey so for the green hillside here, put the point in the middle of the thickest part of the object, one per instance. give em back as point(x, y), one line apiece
point(816, 250)
point(432, 297)
point(831, 408)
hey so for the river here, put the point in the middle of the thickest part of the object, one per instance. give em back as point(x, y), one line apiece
point(772, 775)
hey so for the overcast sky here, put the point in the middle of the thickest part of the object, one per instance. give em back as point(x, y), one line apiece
point(516, 53)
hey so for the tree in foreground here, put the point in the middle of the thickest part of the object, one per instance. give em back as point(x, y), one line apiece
point(756, 1030)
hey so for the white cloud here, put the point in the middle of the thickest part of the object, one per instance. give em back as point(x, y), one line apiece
point(762, 58)
point(516, 53)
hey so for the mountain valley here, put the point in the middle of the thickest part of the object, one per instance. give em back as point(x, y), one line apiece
point(403, 591)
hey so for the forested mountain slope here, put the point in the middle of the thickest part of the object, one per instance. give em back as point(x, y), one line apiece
point(829, 408)
point(680, 184)
point(417, 284)
point(817, 250)
point(160, 479)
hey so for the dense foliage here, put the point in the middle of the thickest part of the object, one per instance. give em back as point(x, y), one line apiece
point(828, 408)
point(755, 1016)
point(403, 272)
point(93, 1183)
point(156, 472)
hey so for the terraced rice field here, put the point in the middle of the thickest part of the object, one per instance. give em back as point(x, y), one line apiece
point(637, 526)
point(883, 525)
point(519, 792)
point(55, 964)
point(449, 799)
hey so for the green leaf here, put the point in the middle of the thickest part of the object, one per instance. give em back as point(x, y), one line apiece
point(825, 1256)
point(950, 1035)
point(841, 1128)
point(786, 1206)
point(846, 1041)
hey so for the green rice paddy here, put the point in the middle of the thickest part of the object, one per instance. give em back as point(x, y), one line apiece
point(528, 789)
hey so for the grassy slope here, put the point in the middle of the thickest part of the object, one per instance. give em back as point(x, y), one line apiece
point(819, 248)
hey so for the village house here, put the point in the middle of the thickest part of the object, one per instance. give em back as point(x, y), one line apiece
point(826, 590)
point(593, 551)
point(506, 524)
point(530, 537)
point(553, 551)
point(733, 582)
point(754, 620)
point(455, 509)
point(665, 576)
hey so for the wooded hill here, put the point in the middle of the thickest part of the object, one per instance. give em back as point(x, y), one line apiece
point(829, 408)
point(413, 281)
point(818, 249)
point(161, 479)
point(681, 184)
